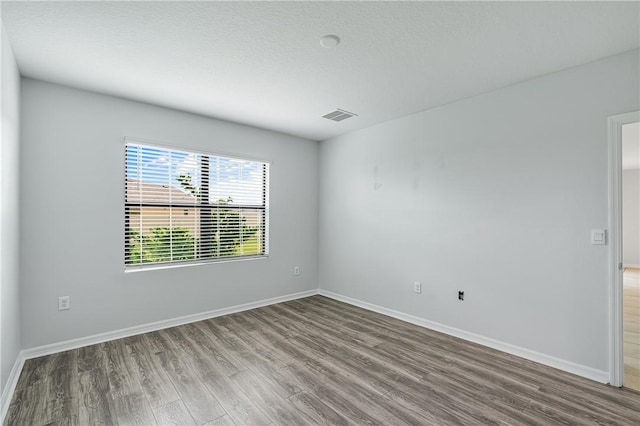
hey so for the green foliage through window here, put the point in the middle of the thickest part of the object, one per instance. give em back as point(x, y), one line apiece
point(185, 206)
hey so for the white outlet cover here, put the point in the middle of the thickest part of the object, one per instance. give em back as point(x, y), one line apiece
point(64, 303)
point(417, 287)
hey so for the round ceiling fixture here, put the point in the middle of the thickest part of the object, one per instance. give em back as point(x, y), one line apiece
point(329, 41)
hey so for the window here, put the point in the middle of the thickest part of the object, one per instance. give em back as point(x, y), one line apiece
point(191, 207)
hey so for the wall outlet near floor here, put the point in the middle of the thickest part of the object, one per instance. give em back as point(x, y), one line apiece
point(461, 295)
point(417, 287)
point(296, 270)
point(64, 303)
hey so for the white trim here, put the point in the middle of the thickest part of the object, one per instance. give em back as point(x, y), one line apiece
point(561, 364)
point(158, 325)
point(7, 394)
point(631, 265)
point(39, 351)
point(616, 341)
point(10, 386)
point(170, 265)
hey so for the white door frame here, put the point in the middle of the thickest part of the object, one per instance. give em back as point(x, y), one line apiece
point(616, 356)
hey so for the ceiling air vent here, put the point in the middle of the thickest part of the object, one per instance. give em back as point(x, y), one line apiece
point(339, 115)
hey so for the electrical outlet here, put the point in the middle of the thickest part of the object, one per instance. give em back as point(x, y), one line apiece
point(296, 270)
point(461, 295)
point(417, 287)
point(64, 303)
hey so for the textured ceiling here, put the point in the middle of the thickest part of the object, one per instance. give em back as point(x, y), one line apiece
point(261, 63)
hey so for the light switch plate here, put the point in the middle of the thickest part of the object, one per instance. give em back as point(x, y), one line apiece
point(598, 236)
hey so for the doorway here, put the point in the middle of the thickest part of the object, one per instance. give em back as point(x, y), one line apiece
point(624, 166)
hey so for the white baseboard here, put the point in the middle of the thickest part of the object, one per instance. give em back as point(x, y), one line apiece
point(7, 394)
point(560, 364)
point(159, 325)
point(10, 386)
point(39, 351)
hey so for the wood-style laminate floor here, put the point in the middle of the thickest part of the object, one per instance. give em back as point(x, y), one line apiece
point(631, 320)
point(310, 361)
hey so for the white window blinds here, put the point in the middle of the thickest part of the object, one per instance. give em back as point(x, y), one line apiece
point(186, 207)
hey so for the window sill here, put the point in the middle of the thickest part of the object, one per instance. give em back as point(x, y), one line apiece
point(156, 266)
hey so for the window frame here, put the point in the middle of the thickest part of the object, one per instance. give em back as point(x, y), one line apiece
point(201, 207)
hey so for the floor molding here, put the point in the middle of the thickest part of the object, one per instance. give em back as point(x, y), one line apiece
point(23, 355)
point(568, 366)
point(39, 351)
point(159, 325)
point(10, 386)
point(7, 394)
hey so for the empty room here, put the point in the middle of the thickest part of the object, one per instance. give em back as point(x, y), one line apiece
point(299, 213)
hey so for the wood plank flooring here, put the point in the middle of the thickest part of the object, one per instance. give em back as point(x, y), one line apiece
point(309, 361)
point(631, 326)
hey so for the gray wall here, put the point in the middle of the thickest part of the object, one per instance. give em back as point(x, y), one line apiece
point(9, 218)
point(72, 216)
point(495, 195)
point(631, 217)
